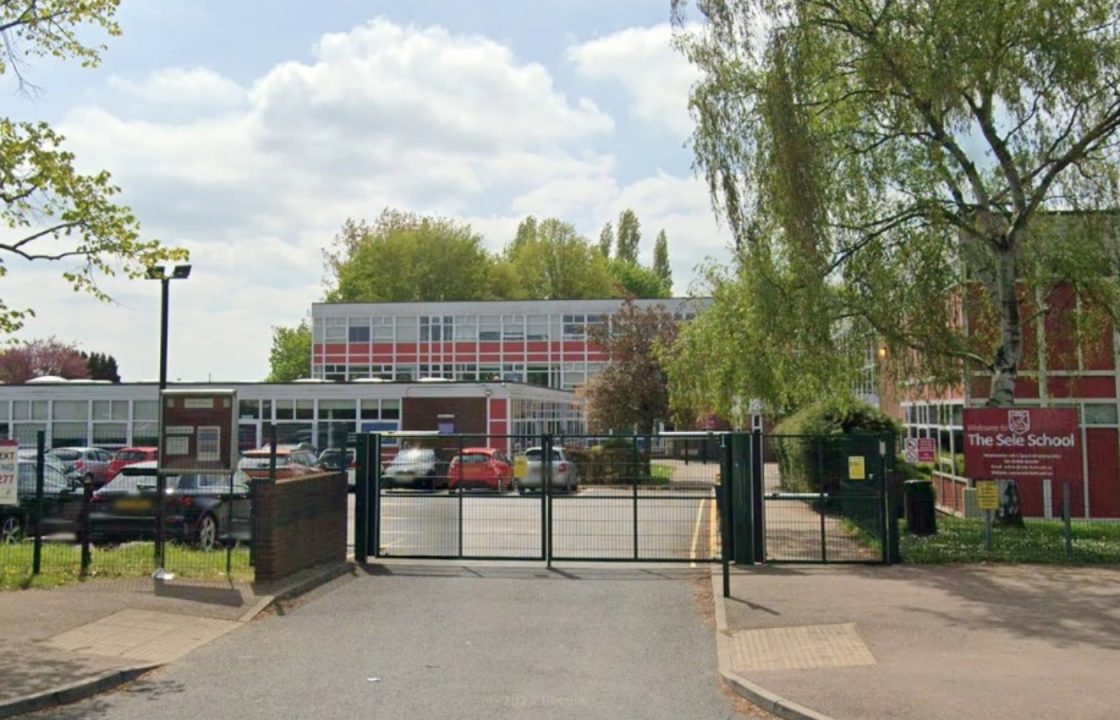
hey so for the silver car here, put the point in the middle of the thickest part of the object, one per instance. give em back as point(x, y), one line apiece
point(565, 474)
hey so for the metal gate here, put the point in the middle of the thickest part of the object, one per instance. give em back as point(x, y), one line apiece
point(824, 498)
point(497, 497)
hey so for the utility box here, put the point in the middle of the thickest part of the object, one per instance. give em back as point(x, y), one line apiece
point(921, 515)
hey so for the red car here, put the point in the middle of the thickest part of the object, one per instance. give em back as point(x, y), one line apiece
point(131, 456)
point(481, 467)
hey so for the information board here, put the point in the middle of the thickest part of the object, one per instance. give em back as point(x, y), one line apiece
point(9, 472)
point(197, 431)
point(987, 495)
point(857, 469)
point(1022, 444)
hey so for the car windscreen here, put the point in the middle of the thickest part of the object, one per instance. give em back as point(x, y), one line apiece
point(535, 454)
point(67, 455)
point(54, 481)
point(413, 456)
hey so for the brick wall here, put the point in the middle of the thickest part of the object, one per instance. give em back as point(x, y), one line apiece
point(298, 522)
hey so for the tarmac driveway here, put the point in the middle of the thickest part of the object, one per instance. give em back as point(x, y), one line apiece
point(412, 640)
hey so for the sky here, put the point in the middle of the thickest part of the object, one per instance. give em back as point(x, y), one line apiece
point(249, 132)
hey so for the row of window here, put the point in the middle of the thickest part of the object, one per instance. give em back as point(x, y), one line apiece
point(559, 375)
point(466, 328)
point(952, 414)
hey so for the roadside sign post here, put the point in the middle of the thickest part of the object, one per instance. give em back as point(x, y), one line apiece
point(9, 472)
point(987, 499)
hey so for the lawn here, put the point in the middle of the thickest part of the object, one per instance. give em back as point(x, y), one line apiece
point(962, 541)
point(61, 564)
point(660, 474)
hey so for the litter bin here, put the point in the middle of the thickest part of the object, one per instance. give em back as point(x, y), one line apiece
point(921, 516)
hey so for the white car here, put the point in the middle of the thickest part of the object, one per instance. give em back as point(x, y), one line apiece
point(565, 474)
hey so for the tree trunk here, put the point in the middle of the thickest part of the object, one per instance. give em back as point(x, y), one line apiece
point(1005, 368)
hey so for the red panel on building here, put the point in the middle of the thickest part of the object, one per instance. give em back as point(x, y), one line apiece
point(536, 347)
point(383, 349)
point(1061, 352)
point(1102, 446)
point(1026, 387)
point(490, 347)
point(336, 348)
point(1085, 387)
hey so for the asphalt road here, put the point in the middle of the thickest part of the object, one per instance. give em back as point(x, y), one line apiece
point(463, 642)
point(595, 523)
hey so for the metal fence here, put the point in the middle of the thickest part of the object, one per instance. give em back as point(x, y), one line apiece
point(583, 498)
point(62, 530)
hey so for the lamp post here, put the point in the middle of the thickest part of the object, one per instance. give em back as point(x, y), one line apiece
point(159, 272)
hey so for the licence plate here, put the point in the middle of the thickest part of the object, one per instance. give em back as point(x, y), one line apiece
point(133, 504)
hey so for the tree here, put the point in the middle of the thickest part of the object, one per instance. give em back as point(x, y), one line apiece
point(54, 212)
point(549, 260)
point(290, 357)
point(661, 261)
point(636, 281)
point(890, 161)
point(403, 257)
point(101, 366)
point(606, 239)
point(42, 357)
point(632, 390)
point(629, 236)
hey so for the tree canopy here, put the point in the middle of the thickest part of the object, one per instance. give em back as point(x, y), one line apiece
point(53, 212)
point(290, 357)
point(550, 261)
point(632, 390)
point(405, 257)
point(880, 164)
point(37, 358)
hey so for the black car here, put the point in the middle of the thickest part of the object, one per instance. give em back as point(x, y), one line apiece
point(61, 507)
point(336, 459)
point(200, 508)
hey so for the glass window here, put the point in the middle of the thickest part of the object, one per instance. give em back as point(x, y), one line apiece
point(145, 410)
point(110, 433)
point(70, 409)
point(1100, 414)
point(305, 409)
point(370, 410)
point(102, 410)
point(359, 334)
point(336, 410)
point(537, 327)
point(391, 409)
point(69, 434)
point(489, 328)
point(406, 330)
point(248, 409)
point(285, 410)
point(334, 334)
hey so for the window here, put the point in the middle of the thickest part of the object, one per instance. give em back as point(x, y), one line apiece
point(1100, 414)
point(513, 327)
point(70, 409)
point(573, 327)
point(537, 327)
point(336, 410)
point(466, 327)
point(436, 329)
point(382, 329)
point(406, 330)
point(359, 334)
point(145, 410)
point(489, 328)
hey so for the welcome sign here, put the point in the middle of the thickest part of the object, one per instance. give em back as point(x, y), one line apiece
point(1022, 444)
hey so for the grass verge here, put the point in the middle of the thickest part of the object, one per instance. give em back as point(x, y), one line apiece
point(61, 564)
point(960, 540)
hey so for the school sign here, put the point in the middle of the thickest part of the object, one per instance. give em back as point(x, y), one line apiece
point(1022, 444)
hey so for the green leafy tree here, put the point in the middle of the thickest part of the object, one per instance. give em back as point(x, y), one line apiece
point(53, 212)
point(636, 281)
point(885, 162)
point(290, 357)
point(606, 239)
point(661, 261)
point(549, 260)
point(632, 390)
point(404, 257)
point(629, 237)
point(101, 366)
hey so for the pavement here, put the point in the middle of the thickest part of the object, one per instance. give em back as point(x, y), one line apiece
point(66, 644)
point(842, 642)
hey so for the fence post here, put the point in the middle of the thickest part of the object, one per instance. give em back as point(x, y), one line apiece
point(724, 501)
point(894, 552)
point(83, 528)
point(1067, 529)
point(546, 497)
point(636, 465)
point(460, 492)
point(758, 491)
point(40, 459)
point(373, 496)
point(742, 508)
point(361, 499)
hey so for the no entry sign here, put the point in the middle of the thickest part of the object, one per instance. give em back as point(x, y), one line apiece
point(1022, 444)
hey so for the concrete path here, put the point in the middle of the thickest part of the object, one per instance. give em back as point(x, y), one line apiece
point(937, 643)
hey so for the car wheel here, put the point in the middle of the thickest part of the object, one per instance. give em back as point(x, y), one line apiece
point(11, 531)
point(207, 532)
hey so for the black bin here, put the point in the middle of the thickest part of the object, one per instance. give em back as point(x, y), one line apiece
point(921, 518)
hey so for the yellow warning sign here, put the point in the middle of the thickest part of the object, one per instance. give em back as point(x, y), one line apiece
point(987, 495)
point(520, 462)
point(856, 468)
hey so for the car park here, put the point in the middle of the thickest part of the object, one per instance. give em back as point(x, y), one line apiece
point(416, 468)
point(61, 508)
point(203, 509)
point(85, 463)
point(130, 456)
point(290, 460)
point(49, 460)
point(565, 474)
point(480, 468)
point(339, 460)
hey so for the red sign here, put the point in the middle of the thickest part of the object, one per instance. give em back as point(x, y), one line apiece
point(927, 451)
point(1022, 444)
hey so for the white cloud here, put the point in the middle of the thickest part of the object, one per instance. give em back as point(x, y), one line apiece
point(255, 180)
point(643, 61)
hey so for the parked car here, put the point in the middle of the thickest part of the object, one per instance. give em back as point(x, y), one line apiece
point(414, 468)
point(290, 460)
point(565, 474)
point(62, 505)
point(200, 508)
point(49, 460)
point(336, 459)
point(480, 467)
point(85, 463)
point(130, 456)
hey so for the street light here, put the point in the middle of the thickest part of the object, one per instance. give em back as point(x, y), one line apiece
point(159, 272)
